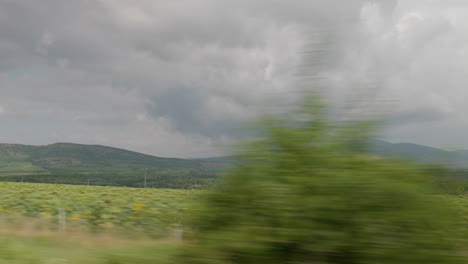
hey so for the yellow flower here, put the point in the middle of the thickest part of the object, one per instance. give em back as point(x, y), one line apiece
point(87, 214)
point(138, 206)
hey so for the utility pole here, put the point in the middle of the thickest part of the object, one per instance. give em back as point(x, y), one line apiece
point(146, 170)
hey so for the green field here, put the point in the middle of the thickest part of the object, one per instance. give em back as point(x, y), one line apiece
point(146, 211)
point(58, 249)
point(103, 224)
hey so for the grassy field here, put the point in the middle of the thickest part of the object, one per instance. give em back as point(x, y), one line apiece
point(93, 208)
point(76, 248)
point(103, 224)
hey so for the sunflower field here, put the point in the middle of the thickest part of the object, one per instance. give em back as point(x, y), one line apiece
point(96, 208)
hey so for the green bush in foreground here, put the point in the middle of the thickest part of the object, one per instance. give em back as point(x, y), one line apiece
point(302, 194)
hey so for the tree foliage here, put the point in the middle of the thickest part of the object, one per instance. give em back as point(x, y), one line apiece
point(301, 193)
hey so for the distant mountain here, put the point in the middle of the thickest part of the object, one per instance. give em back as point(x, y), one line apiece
point(63, 157)
point(223, 159)
point(463, 152)
point(420, 153)
point(101, 165)
point(69, 163)
point(79, 158)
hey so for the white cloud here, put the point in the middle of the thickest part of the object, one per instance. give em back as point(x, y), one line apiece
point(417, 58)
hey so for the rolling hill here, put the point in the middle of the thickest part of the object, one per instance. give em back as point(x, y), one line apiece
point(101, 165)
point(420, 153)
point(71, 163)
point(66, 157)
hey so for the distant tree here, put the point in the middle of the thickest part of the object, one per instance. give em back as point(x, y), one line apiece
point(301, 193)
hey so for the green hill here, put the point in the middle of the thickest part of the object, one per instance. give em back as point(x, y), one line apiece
point(70, 163)
point(83, 158)
point(101, 165)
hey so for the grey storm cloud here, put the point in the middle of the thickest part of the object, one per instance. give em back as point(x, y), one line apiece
point(177, 78)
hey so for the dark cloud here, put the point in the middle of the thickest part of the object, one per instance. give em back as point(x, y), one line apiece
point(177, 77)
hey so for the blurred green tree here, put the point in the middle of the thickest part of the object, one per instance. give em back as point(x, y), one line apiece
point(305, 192)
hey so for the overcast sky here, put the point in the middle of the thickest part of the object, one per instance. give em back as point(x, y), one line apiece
point(179, 77)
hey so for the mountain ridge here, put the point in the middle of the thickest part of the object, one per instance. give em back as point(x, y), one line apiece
point(73, 163)
point(107, 155)
point(63, 156)
point(420, 153)
point(67, 144)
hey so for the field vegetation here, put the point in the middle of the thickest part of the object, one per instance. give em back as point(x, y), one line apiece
point(149, 212)
point(173, 178)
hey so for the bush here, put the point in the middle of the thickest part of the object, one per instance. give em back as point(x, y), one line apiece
point(302, 193)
